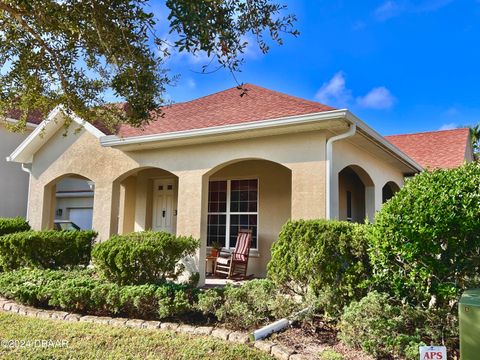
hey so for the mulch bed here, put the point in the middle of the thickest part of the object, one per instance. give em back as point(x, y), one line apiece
point(311, 341)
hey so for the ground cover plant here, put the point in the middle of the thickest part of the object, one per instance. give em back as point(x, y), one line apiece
point(80, 290)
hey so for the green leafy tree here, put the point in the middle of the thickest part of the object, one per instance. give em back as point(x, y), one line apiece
point(72, 52)
point(425, 244)
point(475, 139)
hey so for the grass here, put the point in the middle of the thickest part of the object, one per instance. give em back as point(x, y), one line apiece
point(95, 341)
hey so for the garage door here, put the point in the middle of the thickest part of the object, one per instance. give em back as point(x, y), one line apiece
point(82, 217)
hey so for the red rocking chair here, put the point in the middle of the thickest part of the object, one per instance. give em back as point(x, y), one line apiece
point(235, 264)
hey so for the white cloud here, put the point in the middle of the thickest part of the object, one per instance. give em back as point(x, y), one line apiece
point(388, 9)
point(334, 92)
point(392, 8)
point(191, 84)
point(448, 126)
point(377, 98)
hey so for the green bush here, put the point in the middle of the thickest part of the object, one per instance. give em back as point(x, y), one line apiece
point(143, 257)
point(45, 249)
point(13, 225)
point(425, 244)
point(379, 328)
point(325, 258)
point(254, 303)
point(81, 291)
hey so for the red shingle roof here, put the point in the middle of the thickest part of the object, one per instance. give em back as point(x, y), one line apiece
point(34, 117)
point(226, 107)
point(434, 149)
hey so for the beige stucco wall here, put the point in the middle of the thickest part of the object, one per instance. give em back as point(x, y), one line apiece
point(274, 204)
point(345, 153)
point(13, 181)
point(81, 154)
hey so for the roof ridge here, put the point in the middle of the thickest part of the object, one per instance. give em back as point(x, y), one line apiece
point(427, 132)
point(246, 86)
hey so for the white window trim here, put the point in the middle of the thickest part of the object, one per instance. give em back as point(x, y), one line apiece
point(228, 213)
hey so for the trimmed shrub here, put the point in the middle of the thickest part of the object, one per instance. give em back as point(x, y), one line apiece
point(13, 225)
point(379, 328)
point(45, 249)
point(425, 244)
point(252, 304)
point(143, 257)
point(326, 259)
point(81, 291)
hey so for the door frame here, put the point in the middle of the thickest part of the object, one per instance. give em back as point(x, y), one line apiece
point(154, 183)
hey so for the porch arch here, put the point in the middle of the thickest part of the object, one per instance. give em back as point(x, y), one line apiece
point(250, 193)
point(388, 190)
point(70, 197)
point(145, 198)
point(356, 194)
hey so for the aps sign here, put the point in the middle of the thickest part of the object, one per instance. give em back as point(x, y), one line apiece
point(433, 353)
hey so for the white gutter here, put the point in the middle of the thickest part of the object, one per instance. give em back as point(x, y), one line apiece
point(114, 140)
point(329, 177)
point(28, 169)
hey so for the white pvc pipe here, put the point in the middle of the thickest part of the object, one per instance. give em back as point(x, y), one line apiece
point(28, 169)
point(351, 131)
point(278, 325)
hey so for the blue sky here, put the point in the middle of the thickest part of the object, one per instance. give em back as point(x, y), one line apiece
point(400, 65)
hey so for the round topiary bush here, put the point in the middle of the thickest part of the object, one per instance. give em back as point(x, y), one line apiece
point(143, 257)
point(322, 260)
point(425, 244)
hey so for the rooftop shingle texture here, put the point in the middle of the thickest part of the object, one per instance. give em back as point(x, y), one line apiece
point(228, 107)
point(434, 149)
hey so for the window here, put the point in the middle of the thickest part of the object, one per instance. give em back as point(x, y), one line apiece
point(232, 204)
point(349, 206)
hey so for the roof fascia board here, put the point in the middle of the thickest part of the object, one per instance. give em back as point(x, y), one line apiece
point(29, 125)
point(384, 142)
point(34, 141)
point(114, 140)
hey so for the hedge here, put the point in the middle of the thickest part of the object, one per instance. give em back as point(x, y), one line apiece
point(425, 244)
point(79, 290)
point(13, 225)
point(143, 257)
point(323, 260)
point(45, 249)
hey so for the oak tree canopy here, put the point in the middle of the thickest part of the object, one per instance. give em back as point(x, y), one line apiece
point(73, 52)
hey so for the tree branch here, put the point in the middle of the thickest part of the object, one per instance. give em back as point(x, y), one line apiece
point(18, 16)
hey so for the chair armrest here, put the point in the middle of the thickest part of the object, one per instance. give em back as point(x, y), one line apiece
point(225, 253)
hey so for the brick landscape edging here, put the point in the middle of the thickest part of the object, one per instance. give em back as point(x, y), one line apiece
point(276, 350)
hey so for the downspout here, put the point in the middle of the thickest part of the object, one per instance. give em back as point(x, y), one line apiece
point(28, 169)
point(329, 170)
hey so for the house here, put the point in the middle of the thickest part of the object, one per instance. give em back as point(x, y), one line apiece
point(74, 196)
point(13, 179)
point(210, 166)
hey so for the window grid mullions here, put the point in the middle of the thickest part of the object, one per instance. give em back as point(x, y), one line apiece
point(228, 214)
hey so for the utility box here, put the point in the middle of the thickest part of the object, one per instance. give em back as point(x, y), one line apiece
point(469, 320)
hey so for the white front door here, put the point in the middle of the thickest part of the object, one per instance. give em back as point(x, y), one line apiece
point(164, 212)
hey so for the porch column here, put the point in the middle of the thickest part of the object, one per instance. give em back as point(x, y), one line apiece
point(47, 215)
point(105, 209)
point(308, 190)
point(371, 200)
point(191, 218)
point(126, 217)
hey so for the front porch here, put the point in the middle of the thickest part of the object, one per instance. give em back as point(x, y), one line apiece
point(251, 194)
